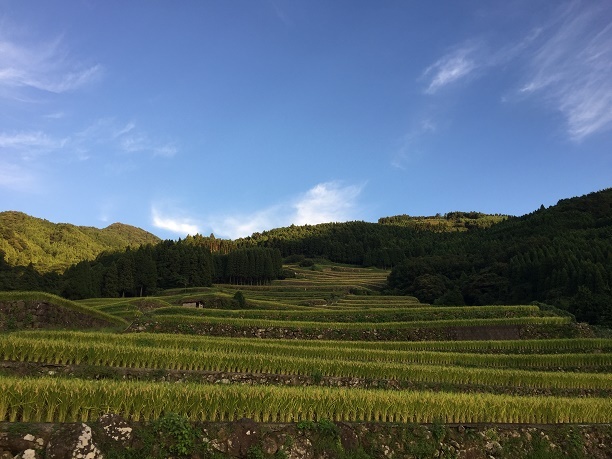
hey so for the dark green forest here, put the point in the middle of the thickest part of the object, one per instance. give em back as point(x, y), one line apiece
point(559, 255)
point(148, 270)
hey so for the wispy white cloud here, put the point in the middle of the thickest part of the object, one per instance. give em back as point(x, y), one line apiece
point(166, 151)
point(567, 60)
point(280, 14)
point(126, 138)
point(134, 143)
point(140, 142)
point(104, 134)
point(55, 115)
point(323, 203)
point(452, 67)
point(20, 159)
point(472, 59)
point(572, 67)
point(178, 225)
point(123, 130)
point(410, 146)
point(35, 139)
point(28, 145)
point(44, 66)
point(16, 178)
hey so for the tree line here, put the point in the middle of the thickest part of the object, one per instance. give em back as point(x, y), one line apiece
point(147, 270)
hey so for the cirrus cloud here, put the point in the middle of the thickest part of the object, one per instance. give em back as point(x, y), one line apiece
point(571, 68)
point(566, 61)
point(44, 66)
point(452, 67)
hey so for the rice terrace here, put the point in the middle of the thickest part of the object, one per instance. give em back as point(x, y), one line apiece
point(306, 229)
point(324, 352)
point(408, 338)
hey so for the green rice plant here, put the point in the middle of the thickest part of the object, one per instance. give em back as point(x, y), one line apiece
point(84, 400)
point(369, 326)
point(305, 363)
point(365, 315)
point(541, 346)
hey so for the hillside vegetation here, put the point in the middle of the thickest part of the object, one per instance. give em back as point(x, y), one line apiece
point(55, 246)
point(558, 256)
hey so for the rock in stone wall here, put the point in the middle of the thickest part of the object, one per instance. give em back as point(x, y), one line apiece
point(304, 440)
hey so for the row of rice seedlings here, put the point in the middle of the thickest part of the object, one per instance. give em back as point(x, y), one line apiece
point(338, 283)
point(594, 361)
point(380, 304)
point(338, 303)
point(338, 272)
point(73, 400)
point(536, 346)
point(337, 276)
point(286, 300)
point(279, 305)
point(274, 291)
point(285, 286)
point(576, 355)
point(369, 315)
point(346, 298)
point(111, 305)
point(532, 346)
point(96, 303)
point(129, 316)
point(118, 307)
point(357, 326)
point(386, 298)
point(183, 290)
point(290, 295)
point(258, 304)
point(103, 354)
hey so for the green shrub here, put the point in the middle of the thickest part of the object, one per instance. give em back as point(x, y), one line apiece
point(239, 299)
point(316, 376)
point(255, 452)
point(176, 434)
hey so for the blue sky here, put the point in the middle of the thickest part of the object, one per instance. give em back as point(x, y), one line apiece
point(245, 115)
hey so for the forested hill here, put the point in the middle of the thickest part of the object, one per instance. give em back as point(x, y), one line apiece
point(55, 246)
point(561, 256)
point(383, 244)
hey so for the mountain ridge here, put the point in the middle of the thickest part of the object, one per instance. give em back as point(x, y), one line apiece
point(49, 246)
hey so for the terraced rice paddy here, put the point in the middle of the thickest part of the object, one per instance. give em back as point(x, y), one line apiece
point(548, 373)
